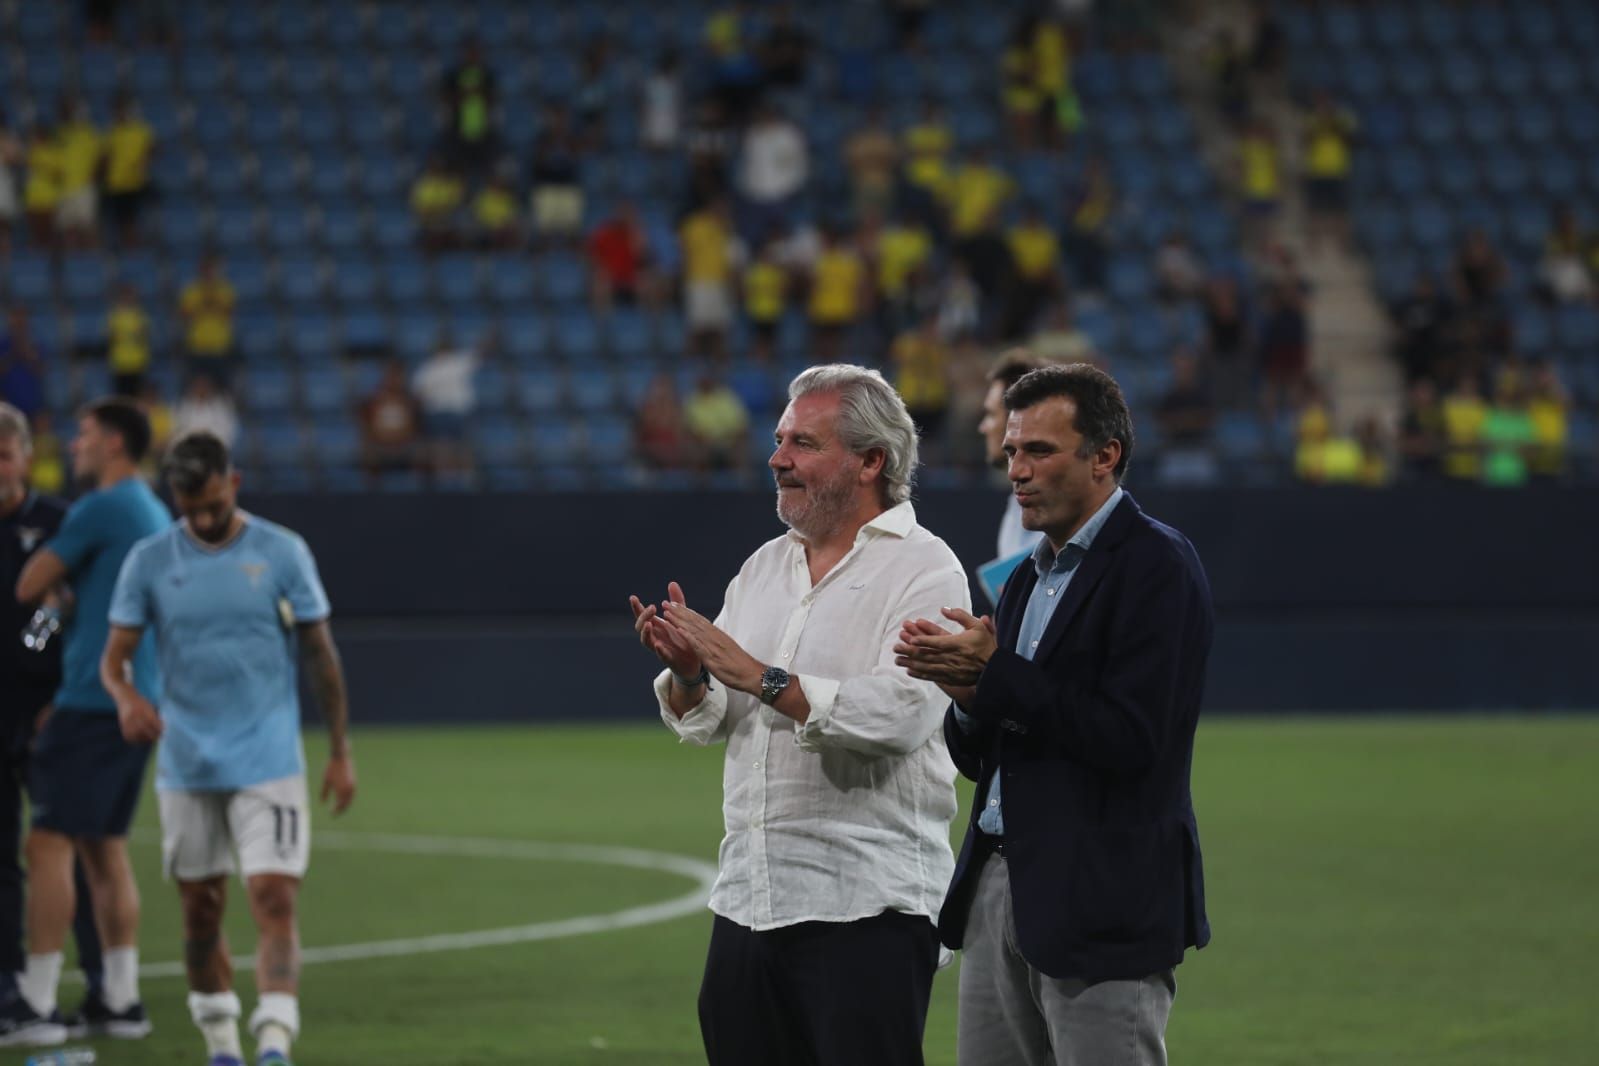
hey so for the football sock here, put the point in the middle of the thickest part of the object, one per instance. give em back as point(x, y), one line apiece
point(121, 978)
point(38, 982)
point(216, 1015)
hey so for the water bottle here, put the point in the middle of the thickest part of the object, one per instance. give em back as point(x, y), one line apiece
point(67, 1056)
point(45, 623)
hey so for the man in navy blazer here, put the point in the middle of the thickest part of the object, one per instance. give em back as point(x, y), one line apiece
point(1079, 886)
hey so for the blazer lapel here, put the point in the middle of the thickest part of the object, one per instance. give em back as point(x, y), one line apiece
point(1092, 567)
point(1013, 603)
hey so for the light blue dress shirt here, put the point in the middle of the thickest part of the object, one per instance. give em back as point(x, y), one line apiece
point(1054, 575)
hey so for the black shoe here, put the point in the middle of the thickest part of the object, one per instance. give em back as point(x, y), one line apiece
point(94, 1018)
point(22, 1026)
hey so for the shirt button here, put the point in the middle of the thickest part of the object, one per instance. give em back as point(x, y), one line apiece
point(1035, 643)
point(993, 803)
point(1049, 592)
point(757, 766)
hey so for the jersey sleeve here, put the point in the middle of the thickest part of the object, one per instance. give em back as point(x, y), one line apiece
point(130, 600)
point(82, 533)
point(302, 585)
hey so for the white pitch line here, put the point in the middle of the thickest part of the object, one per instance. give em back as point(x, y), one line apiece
point(702, 873)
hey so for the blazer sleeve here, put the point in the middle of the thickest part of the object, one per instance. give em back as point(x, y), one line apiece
point(1118, 723)
point(966, 742)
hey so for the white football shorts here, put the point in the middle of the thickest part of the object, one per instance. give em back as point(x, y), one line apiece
point(268, 825)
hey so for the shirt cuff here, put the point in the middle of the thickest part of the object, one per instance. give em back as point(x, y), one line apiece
point(699, 723)
point(822, 694)
point(962, 719)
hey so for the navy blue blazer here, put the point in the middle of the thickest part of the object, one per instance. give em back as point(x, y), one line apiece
point(1095, 739)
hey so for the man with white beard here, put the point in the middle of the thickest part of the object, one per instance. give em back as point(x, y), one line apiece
point(837, 789)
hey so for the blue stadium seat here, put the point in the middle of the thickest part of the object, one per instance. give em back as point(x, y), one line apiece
point(336, 443)
point(556, 441)
point(323, 392)
point(577, 337)
point(609, 440)
point(364, 329)
point(563, 279)
point(592, 391)
point(31, 279)
point(266, 390)
point(629, 336)
point(406, 279)
point(498, 441)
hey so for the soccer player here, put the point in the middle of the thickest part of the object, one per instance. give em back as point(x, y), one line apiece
point(84, 777)
point(228, 597)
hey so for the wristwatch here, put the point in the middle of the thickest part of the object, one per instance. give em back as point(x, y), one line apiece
point(774, 679)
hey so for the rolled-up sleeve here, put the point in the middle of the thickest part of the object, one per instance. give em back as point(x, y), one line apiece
point(885, 711)
point(702, 724)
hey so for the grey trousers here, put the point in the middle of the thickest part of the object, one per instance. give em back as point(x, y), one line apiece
point(1012, 1015)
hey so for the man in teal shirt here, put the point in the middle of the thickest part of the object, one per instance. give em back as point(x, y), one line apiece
point(84, 779)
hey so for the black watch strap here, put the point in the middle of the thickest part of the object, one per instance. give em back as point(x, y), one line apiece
point(702, 678)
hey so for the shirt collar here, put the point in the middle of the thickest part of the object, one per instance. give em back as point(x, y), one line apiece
point(1044, 556)
point(897, 521)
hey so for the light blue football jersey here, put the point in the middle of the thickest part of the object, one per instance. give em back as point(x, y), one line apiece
point(223, 620)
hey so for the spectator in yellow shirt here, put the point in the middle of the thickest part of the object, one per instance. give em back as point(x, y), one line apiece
point(927, 144)
point(128, 347)
point(904, 248)
point(129, 148)
point(765, 300)
point(162, 423)
point(41, 190)
point(974, 195)
point(838, 293)
point(719, 424)
point(495, 215)
point(79, 143)
point(1259, 179)
point(1024, 102)
point(1329, 157)
point(1035, 255)
point(1464, 416)
point(921, 374)
point(435, 197)
point(48, 472)
point(207, 311)
point(1547, 405)
point(710, 253)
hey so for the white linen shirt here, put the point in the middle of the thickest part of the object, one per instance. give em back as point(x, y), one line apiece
point(847, 815)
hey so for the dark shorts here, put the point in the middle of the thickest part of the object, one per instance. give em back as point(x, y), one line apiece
point(84, 779)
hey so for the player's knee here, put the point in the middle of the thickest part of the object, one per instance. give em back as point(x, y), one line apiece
point(273, 901)
point(48, 850)
point(202, 910)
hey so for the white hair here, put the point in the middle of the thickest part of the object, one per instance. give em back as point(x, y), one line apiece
point(870, 415)
point(14, 426)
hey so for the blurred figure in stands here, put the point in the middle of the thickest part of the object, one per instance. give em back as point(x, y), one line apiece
point(445, 388)
point(1563, 273)
point(1422, 321)
point(619, 261)
point(719, 424)
point(902, 256)
point(41, 192)
point(128, 342)
point(710, 254)
point(21, 365)
point(591, 104)
point(1421, 431)
point(470, 91)
point(922, 378)
point(130, 150)
point(872, 156)
point(1088, 213)
point(1329, 132)
point(204, 406)
point(1259, 168)
point(1179, 273)
point(1464, 414)
point(79, 146)
point(773, 167)
point(785, 50)
point(206, 307)
point(840, 294)
point(1284, 347)
point(1548, 406)
point(436, 196)
point(495, 218)
point(391, 425)
point(11, 155)
point(766, 283)
point(1186, 415)
point(1036, 263)
point(660, 438)
point(1060, 340)
point(1229, 347)
point(557, 197)
point(661, 105)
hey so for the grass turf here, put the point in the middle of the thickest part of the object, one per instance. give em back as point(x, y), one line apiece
point(1382, 890)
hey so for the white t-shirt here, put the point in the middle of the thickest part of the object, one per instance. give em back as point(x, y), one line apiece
point(661, 122)
point(774, 163)
point(216, 414)
point(443, 383)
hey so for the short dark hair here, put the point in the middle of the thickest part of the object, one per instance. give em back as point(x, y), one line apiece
point(194, 459)
point(1102, 414)
point(1013, 364)
point(126, 419)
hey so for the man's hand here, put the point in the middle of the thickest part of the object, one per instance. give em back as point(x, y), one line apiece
point(953, 661)
point(139, 720)
point(338, 781)
point(721, 654)
point(670, 646)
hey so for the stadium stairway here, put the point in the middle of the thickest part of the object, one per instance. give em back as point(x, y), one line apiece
point(1349, 330)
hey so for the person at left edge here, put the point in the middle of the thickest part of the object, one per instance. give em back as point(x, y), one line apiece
point(28, 681)
point(84, 779)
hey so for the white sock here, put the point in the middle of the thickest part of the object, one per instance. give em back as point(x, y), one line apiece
point(38, 982)
point(121, 978)
point(275, 1023)
point(216, 1015)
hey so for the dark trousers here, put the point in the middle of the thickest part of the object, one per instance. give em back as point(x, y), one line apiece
point(18, 730)
point(819, 993)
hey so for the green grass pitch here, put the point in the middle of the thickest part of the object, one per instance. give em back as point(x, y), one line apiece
point(1403, 890)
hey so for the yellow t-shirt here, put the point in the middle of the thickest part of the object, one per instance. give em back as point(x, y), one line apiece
point(765, 284)
point(209, 309)
point(1261, 177)
point(706, 255)
point(900, 251)
point(1020, 92)
point(1550, 431)
point(435, 194)
point(49, 471)
point(927, 145)
point(1035, 250)
point(43, 188)
point(975, 193)
point(495, 208)
point(1327, 154)
point(1051, 60)
point(128, 156)
point(1463, 421)
point(80, 155)
point(716, 417)
point(923, 378)
point(836, 287)
point(128, 330)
